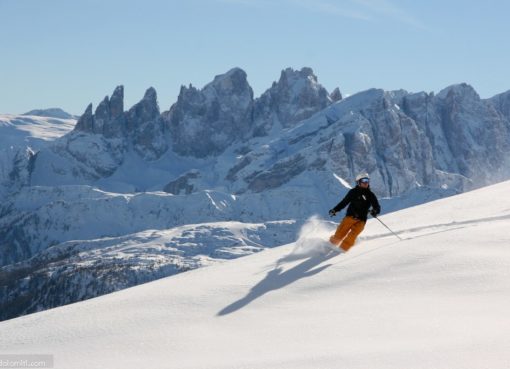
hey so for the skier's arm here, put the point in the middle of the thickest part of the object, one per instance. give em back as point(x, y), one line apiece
point(375, 204)
point(342, 204)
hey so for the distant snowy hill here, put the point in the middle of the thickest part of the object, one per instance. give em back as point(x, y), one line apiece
point(222, 169)
point(20, 138)
point(33, 131)
point(437, 299)
point(52, 113)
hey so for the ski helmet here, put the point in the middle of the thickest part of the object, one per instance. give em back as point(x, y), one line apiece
point(361, 176)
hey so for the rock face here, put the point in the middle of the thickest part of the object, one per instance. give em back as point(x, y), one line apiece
point(501, 103)
point(405, 141)
point(145, 127)
point(15, 166)
point(336, 95)
point(145, 111)
point(296, 96)
point(476, 134)
point(182, 184)
point(205, 122)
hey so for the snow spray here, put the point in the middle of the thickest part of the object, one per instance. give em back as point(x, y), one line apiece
point(313, 237)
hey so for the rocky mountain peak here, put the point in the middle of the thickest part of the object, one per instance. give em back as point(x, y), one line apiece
point(147, 109)
point(205, 122)
point(86, 121)
point(336, 95)
point(296, 96)
point(151, 95)
point(233, 82)
point(117, 102)
point(291, 76)
point(103, 110)
point(462, 90)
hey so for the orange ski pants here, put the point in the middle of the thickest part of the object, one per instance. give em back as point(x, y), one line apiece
point(346, 232)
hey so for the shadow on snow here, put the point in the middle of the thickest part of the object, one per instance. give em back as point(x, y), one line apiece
point(277, 278)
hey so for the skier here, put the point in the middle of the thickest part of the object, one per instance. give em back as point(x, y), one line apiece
point(359, 199)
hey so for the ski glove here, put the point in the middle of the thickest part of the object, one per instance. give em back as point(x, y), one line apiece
point(373, 213)
point(332, 213)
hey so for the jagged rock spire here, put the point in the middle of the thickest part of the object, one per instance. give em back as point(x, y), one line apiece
point(86, 121)
point(336, 95)
point(107, 116)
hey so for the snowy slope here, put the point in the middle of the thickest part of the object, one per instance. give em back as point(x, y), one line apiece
point(33, 131)
point(438, 299)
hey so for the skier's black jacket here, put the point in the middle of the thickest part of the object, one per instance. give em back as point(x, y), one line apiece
point(359, 200)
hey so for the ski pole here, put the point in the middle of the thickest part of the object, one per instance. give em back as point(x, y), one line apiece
point(388, 228)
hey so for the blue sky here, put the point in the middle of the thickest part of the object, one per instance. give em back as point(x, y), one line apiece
point(62, 53)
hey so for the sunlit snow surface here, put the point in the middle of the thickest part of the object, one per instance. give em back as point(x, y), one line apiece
point(438, 299)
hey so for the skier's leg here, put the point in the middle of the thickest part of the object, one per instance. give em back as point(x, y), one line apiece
point(342, 230)
point(355, 230)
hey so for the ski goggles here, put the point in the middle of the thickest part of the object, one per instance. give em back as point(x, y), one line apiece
point(364, 180)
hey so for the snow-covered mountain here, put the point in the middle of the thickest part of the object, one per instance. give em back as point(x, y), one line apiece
point(122, 179)
point(437, 299)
